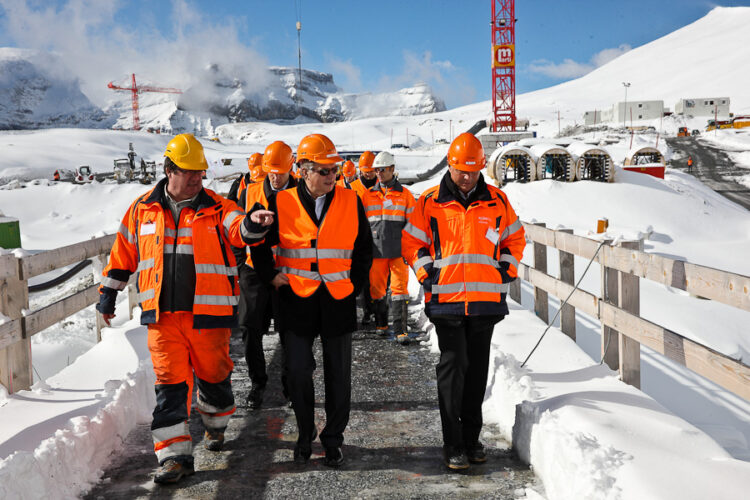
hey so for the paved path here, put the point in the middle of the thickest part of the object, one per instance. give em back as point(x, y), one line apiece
point(392, 445)
point(713, 167)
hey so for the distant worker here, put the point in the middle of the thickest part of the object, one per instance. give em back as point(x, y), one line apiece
point(177, 239)
point(240, 183)
point(464, 242)
point(367, 178)
point(388, 204)
point(348, 175)
point(690, 163)
point(257, 297)
point(56, 175)
point(323, 255)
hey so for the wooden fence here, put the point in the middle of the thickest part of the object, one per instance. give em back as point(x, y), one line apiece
point(618, 308)
point(16, 333)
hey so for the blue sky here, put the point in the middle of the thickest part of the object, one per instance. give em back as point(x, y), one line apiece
point(368, 46)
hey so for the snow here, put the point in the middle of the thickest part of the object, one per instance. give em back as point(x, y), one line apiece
point(586, 434)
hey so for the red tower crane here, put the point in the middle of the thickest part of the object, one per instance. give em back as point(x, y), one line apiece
point(503, 65)
point(135, 89)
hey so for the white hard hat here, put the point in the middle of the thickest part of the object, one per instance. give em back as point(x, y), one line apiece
point(383, 159)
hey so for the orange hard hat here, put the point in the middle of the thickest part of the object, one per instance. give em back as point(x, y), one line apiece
point(257, 174)
point(317, 148)
point(365, 161)
point(277, 158)
point(466, 153)
point(349, 169)
point(255, 160)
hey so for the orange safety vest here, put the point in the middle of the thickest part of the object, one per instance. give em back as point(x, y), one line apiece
point(148, 232)
point(358, 187)
point(310, 255)
point(463, 251)
point(255, 193)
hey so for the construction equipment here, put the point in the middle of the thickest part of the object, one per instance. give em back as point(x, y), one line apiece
point(503, 65)
point(83, 175)
point(683, 132)
point(133, 168)
point(135, 89)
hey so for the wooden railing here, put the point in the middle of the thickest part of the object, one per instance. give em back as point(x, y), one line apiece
point(618, 308)
point(16, 332)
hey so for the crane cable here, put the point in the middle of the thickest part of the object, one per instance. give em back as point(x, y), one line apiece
point(565, 302)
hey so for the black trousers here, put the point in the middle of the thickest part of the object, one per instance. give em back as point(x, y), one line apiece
point(337, 373)
point(256, 309)
point(464, 343)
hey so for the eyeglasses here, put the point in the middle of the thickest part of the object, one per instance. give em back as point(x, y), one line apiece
point(323, 172)
point(380, 170)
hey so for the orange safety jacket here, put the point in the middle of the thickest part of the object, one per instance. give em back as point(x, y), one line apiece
point(387, 209)
point(358, 187)
point(309, 254)
point(258, 193)
point(464, 257)
point(148, 235)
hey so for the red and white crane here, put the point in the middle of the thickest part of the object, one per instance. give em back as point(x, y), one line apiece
point(503, 65)
point(135, 89)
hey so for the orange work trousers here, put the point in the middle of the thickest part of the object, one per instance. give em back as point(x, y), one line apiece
point(179, 353)
point(399, 278)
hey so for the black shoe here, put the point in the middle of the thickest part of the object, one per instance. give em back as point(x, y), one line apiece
point(455, 458)
point(302, 453)
point(172, 471)
point(334, 457)
point(475, 453)
point(255, 398)
point(213, 439)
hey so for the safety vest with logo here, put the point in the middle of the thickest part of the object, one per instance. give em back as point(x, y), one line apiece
point(387, 210)
point(465, 257)
point(150, 243)
point(309, 254)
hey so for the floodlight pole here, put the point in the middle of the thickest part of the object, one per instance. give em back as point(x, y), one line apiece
point(626, 85)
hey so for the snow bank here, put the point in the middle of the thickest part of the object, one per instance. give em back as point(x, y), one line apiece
point(588, 435)
point(106, 393)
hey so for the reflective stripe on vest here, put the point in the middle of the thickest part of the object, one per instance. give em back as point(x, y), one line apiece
point(310, 255)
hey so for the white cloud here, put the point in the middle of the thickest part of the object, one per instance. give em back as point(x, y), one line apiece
point(446, 79)
point(572, 69)
point(352, 81)
point(96, 45)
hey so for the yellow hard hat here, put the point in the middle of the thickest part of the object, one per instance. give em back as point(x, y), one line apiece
point(186, 152)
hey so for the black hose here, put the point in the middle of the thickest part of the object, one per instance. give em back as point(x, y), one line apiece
point(60, 279)
point(481, 124)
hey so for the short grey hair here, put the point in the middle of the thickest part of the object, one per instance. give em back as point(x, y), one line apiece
point(306, 165)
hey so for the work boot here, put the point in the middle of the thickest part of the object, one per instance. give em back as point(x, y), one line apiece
point(475, 453)
point(381, 315)
point(172, 471)
point(213, 439)
point(255, 398)
point(302, 453)
point(334, 457)
point(455, 458)
point(403, 339)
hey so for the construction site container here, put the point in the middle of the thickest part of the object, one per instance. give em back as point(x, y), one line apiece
point(10, 233)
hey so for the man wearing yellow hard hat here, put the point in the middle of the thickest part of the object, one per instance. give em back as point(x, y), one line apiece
point(177, 238)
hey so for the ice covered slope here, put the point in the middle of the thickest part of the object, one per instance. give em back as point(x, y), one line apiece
point(708, 58)
point(37, 92)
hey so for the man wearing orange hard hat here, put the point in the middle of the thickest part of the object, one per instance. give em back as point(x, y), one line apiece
point(258, 297)
point(348, 175)
point(239, 185)
point(323, 255)
point(464, 242)
point(367, 178)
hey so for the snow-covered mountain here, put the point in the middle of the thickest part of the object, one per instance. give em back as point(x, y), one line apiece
point(707, 58)
point(37, 92)
point(221, 97)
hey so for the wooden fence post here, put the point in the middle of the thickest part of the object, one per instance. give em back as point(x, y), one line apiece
point(15, 360)
point(132, 302)
point(541, 301)
point(567, 275)
point(515, 289)
point(610, 337)
point(629, 299)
